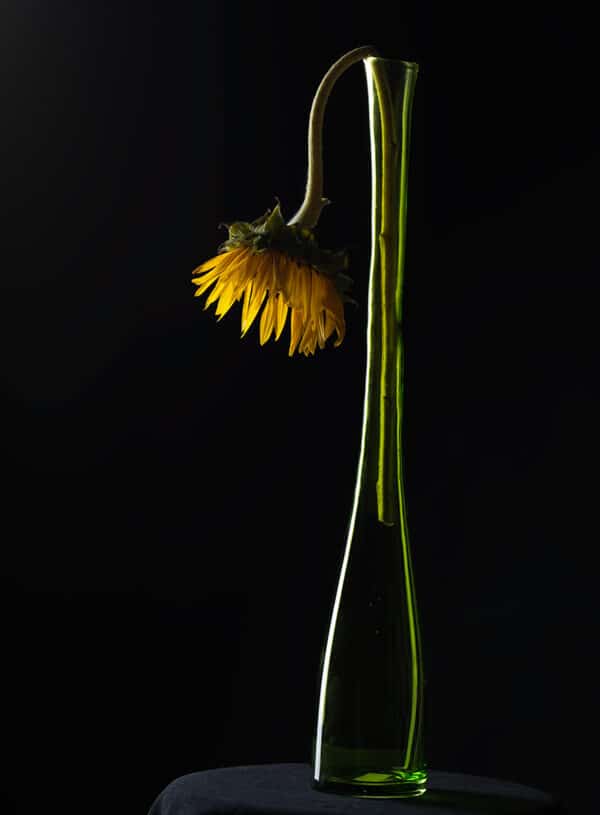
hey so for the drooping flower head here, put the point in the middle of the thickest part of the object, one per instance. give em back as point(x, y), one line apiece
point(278, 266)
point(280, 269)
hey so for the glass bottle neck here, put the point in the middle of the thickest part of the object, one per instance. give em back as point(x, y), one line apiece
point(390, 87)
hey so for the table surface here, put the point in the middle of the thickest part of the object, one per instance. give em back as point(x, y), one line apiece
point(286, 789)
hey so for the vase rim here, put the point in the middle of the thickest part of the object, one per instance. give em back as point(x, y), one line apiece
point(410, 66)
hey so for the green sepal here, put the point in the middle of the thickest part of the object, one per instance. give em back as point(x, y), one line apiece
point(270, 231)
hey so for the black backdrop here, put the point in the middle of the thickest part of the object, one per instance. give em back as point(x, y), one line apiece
point(175, 499)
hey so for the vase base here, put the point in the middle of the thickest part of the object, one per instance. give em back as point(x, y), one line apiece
point(398, 784)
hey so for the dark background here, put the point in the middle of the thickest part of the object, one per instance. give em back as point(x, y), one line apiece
point(175, 500)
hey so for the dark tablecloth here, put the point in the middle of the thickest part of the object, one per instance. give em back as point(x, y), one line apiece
point(285, 789)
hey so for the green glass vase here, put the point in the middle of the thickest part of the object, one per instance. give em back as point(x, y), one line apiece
point(369, 732)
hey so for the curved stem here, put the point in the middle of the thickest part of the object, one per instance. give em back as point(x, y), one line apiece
point(309, 212)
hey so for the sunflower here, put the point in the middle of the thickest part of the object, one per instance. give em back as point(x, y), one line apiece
point(280, 268)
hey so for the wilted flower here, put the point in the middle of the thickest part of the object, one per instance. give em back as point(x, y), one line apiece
point(280, 268)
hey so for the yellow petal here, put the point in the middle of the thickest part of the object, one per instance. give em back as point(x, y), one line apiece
point(329, 324)
point(287, 272)
point(244, 272)
point(289, 282)
point(280, 315)
point(230, 263)
point(308, 343)
point(204, 282)
point(296, 329)
point(267, 320)
point(306, 285)
point(298, 279)
point(256, 301)
point(340, 329)
point(341, 333)
point(225, 279)
point(212, 263)
point(226, 300)
point(216, 292)
point(257, 293)
point(247, 298)
point(321, 335)
point(221, 260)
